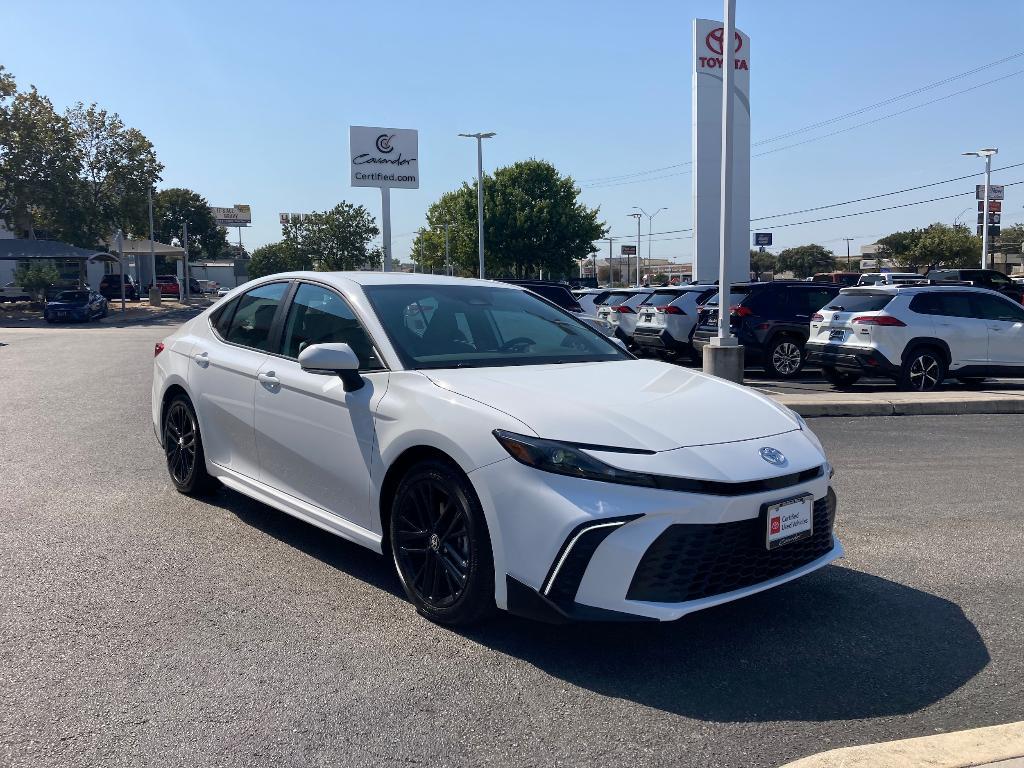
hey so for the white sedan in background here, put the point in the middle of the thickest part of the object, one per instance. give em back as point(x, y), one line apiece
point(455, 426)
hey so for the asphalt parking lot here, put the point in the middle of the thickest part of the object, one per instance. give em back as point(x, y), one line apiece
point(140, 627)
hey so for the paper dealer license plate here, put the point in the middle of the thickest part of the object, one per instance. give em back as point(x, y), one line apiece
point(790, 520)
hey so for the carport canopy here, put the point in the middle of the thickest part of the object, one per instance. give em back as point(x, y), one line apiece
point(33, 250)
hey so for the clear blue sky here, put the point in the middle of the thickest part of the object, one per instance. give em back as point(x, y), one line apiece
point(251, 102)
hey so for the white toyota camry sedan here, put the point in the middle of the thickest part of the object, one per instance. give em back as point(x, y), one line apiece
point(499, 451)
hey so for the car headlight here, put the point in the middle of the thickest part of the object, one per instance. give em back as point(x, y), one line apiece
point(563, 459)
point(812, 437)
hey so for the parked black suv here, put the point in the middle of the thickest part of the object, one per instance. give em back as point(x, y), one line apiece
point(771, 320)
point(556, 293)
point(982, 278)
point(110, 287)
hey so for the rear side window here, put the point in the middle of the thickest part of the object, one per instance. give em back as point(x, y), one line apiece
point(250, 326)
point(947, 304)
point(811, 301)
point(221, 318)
point(859, 302)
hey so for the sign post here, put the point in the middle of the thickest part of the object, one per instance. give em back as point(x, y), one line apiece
point(239, 215)
point(386, 158)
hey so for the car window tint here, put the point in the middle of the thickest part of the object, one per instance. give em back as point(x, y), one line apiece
point(813, 300)
point(955, 305)
point(997, 279)
point(995, 308)
point(318, 315)
point(221, 317)
point(636, 300)
point(254, 316)
point(859, 302)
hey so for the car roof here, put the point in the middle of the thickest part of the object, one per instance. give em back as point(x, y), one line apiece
point(895, 289)
point(347, 279)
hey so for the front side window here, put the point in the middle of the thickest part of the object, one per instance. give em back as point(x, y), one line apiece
point(483, 326)
point(995, 308)
point(320, 316)
point(252, 320)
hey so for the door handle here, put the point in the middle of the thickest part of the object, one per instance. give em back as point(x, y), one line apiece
point(202, 359)
point(268, 379)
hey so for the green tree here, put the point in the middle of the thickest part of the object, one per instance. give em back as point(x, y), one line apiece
point(1011, 238)
point(35, 277)
point(276, 257)
point(533, 220)
point(39, 159)
point(806, 260)
point(899, 246)
point(119, 166)
point(172, 208)
point(948, 246)
point(762, 262)
point(338, 239)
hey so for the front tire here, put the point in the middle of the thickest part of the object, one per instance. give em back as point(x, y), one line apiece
point(183, 447)
point(924, 369)
point(785, 358)
point(440, 545)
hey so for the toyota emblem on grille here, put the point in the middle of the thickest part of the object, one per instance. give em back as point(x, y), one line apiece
point(773, 456)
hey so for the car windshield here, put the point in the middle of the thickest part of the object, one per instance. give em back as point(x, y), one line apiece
point(475, 326)
point(73, 297)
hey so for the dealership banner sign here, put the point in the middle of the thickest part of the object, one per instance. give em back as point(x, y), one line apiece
point(708, 58)
point(236, 216)
point(384, 157)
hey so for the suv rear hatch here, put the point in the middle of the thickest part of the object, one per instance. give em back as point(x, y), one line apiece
point(738, 294)
point(834, 323)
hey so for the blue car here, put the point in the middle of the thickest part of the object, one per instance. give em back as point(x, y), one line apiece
point(80, 305)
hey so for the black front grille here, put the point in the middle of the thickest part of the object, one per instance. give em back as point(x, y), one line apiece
point(688, 562)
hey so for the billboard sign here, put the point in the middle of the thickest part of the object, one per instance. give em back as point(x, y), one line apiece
point(627, 250)
point(995, 191)
point(762, 238)
point(993, 218)
point(384, 157)
point(994, 206)
point(993, 230)
point(238, 215)
point(706, 73)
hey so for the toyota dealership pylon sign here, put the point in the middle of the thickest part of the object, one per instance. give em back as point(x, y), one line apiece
point(707, 152)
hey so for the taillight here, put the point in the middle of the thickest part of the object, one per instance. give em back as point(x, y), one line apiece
point(740, 311)
point(817, 317)
point(623, 309)
point(158, 348)
point(887, 320)
point(672, 309)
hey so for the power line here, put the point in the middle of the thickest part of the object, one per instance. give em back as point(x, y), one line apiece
point(597, 181)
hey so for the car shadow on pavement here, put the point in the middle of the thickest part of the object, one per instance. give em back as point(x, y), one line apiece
point(836, 645)
point(353, 559)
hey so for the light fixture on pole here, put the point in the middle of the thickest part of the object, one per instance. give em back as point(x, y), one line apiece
point(650, 227)
point(987, 155)
point(479, 189)
point(637, 217)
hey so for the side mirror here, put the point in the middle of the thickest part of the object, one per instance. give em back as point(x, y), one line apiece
point(333, 359)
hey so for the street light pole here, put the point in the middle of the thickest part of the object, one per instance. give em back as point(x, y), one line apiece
point(987, 154)
point(637, 217)
point(650, 228)
point(479, 189)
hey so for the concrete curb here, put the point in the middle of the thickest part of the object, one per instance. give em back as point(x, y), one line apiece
point(113, 319)
point(948, 406)
point(961, 749)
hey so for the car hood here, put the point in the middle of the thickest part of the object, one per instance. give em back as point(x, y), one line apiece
point(642, 404)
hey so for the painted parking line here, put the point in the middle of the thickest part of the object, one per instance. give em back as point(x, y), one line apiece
point(961, 749)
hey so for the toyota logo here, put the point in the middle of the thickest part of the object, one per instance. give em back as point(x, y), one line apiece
point(773, 456)
point(714, 40)
point(384, 143)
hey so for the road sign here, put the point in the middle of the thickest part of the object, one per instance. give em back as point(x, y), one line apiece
point(994, 206)
point(995, 191)
point(993, 218)
point(993, 230)
point(384, 157)
point(762, 238)
point(628, 250)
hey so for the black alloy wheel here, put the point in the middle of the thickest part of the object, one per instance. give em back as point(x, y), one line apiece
point(183, 447)
point(440, 545)
point(923, 370)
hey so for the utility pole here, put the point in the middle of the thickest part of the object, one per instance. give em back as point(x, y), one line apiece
point(611, 279)
point(447, 253)
point(637, 217)
point(847, 239)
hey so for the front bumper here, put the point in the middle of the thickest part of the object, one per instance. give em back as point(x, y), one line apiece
point(567, 548)
point(867, 361)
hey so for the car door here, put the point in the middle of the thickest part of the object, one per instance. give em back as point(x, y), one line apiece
point(316, 441)
point(226, 358)
point(1005, 321)
point(958, 323)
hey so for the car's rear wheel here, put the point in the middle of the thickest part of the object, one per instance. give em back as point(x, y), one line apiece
point(839, 379)
point(923, 370)
point(183, 447)
point(785, 358)
point(440, 545)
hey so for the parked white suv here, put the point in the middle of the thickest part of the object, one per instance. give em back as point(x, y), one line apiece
point(668, 316)
point(620, 310)
point(917, 335)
